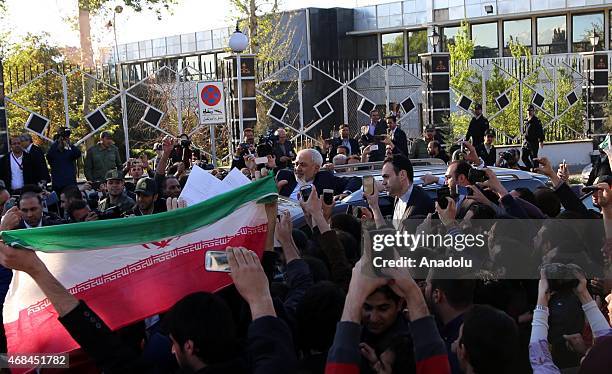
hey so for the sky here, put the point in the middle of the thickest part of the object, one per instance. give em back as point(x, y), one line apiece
point(35, 16)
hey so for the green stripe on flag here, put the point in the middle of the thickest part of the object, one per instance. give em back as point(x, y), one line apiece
point(142, 229)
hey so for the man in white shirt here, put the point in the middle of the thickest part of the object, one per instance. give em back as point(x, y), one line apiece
point(411, 200)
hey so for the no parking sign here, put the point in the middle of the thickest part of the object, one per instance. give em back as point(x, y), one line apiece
point(210, 102)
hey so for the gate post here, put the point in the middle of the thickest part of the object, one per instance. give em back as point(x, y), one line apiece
point(436, 71)
point(595, 69)
point(242, 98)
point(4, 140)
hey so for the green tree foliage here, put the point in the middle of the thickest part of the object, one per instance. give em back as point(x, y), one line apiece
point(44, 95)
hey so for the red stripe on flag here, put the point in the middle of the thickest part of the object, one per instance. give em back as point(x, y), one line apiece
point(127, 299)
point(338, 368)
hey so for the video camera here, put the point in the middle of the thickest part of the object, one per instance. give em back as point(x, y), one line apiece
point(110, 213)
point(268, 138)
point(508, 159)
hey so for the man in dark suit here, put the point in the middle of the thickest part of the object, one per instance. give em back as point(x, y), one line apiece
point(533, 134)
point(371, 134)
point(398, 137)
point(486, 151)
point(17, 168)
point(346, 141)
point(435, 150)
point(307, 171)
point(478, 126)
point(38, 157)
point(28, 214)
point(283, 149)
point(410, 201)
point(457, 176)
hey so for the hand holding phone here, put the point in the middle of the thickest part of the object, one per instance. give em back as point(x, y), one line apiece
point(216, 261)
point(305, 192)
point(368, 184)
point(328, 196)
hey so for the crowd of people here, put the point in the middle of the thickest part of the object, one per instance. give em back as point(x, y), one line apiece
point(312, 303)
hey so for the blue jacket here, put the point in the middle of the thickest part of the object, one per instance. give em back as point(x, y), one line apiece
point(63, 167)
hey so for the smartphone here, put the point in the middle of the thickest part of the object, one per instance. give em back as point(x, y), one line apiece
point(463, 191)
point(261, 160)
point(374, 147)
point(368, 184)
point(477, 176)
point(305, 192)
point(10, 203)
point(441, 194)
point(217, 261)
point(535, 163)
point(328, 196)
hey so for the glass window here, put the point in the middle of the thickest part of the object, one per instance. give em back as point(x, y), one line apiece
point(484, 36)
point(417, 43)
point(220, 38)
point(552, 34)
point(188, 43)
point(389, 15)
point(132, 51)
point(173, 44)
point(204, 40)
point(393, 48)
point(146, 49)
point(159, 47)
point(518, 31)
point(448, 36)
point(582, 30)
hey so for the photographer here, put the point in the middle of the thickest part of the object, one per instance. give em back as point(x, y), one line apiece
point(79, 211)
point(510, 160)
point(62, 156)
point(283, 149)
point(243, 149)
point(182, 151)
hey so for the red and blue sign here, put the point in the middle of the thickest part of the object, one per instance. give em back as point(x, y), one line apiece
point(211, 95)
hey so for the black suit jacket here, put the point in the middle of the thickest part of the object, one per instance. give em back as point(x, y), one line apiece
point(354, 148)
point(490, 157)
point(289, 151)
point(323, 180)
point(30, 172)
point(400, 141)
point(40, 163)
point(46, 221)
point(419, 205)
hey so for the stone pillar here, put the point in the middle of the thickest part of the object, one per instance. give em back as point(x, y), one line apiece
point(595, 68)
point(436, 73)
point(249, 112)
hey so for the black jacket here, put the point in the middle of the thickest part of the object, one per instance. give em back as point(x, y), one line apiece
point(490, 157)
point(419, 205)
point(601, 167)
point(269, 346)
point(40, 162)
point(46, 221)
point(400, 141)
point(287, 149)
point(31, 173)
point(353, 151)
point(476, 130)
point(323, 180)
point(533, 132)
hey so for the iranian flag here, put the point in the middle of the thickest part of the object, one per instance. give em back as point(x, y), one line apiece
point(131, 268)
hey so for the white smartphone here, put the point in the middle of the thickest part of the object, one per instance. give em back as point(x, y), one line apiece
point(261, 160)
point(374, 147)
point(217, 261)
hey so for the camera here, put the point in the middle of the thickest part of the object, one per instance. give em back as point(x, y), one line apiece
point(507, 159)
point(477, 176)
point(110, 213)
point(185, 143)
point(561, 277)
point(268, 138)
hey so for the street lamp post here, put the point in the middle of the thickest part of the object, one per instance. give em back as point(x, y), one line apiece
point(594, 39)
point(118, 9)
point(434, 39)
point(238, 42)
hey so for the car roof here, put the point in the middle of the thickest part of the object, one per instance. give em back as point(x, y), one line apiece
point(432, 166)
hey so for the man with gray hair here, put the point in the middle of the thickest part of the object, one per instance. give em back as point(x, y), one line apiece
point(308, 171)
point(283, 149)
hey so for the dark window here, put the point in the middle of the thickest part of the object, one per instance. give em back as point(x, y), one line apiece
point(552, 34)
point(417, 44)
point(484, 36)
point(518, 31)
point(392, 48)
point(583, 26)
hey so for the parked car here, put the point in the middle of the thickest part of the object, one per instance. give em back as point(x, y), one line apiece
point(510, 178)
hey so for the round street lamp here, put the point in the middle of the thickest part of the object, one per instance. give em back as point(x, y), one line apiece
point(434, 39)
point(238, 42)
